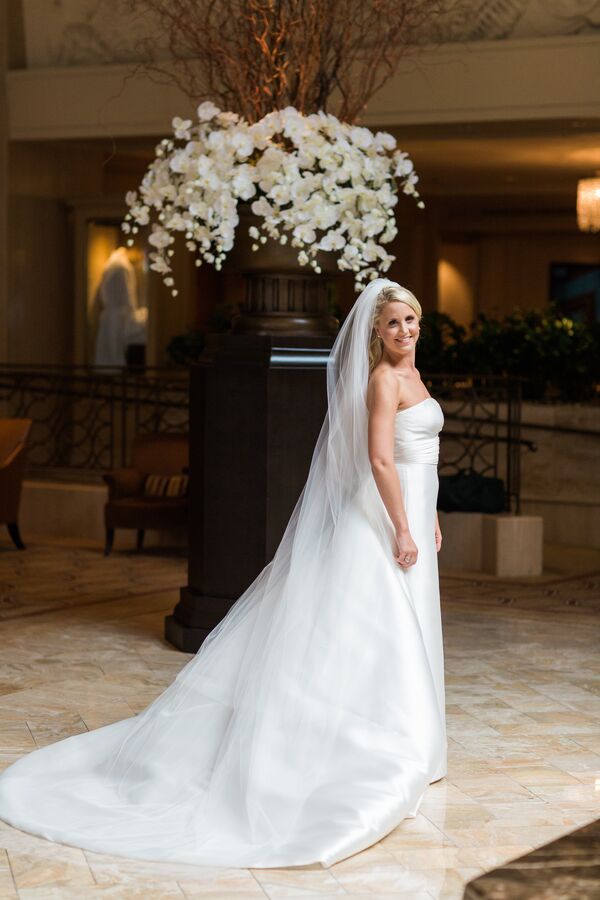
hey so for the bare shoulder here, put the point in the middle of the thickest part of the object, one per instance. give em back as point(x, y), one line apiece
point(383, 389)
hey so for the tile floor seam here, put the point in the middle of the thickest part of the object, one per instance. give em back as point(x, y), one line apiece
point(30, 731)
point(12, 874)
point(94, 879)
point(258, 883)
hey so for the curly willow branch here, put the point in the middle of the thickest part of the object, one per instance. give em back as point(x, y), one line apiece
point(253, 56)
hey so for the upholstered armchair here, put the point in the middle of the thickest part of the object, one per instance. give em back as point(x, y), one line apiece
point(13, 455)
point(152, 491)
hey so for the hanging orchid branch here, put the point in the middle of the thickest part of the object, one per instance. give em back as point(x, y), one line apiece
point(254, 56)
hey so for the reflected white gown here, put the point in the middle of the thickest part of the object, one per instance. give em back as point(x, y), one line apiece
point(283, 742)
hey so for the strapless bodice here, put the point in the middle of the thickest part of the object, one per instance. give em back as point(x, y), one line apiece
point(417, 431)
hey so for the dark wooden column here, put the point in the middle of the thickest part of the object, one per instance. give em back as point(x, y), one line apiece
point(257, 405)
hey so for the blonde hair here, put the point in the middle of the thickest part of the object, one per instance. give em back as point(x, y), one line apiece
point(387, 295)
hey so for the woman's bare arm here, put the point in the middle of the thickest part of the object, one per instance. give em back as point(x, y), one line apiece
point(438, 533)
point(383, 396)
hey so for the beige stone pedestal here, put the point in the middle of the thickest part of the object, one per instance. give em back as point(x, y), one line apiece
point(512, 545)
point(505, 545)
point(461, 541)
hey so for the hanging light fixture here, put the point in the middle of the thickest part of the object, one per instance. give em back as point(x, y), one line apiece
point(588, 204)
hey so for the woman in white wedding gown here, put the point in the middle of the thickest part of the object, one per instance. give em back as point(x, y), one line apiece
point(311, 721)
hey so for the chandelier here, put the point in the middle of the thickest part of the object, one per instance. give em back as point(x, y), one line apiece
point(588, 204)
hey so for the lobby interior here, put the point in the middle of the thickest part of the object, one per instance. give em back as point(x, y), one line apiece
point(502, 121)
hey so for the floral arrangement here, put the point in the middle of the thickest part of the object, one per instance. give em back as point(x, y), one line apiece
point(312, 180)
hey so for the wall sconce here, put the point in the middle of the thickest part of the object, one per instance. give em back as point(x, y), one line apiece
point(588, 204)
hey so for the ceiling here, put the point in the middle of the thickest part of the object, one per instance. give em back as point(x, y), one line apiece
point(92, 32)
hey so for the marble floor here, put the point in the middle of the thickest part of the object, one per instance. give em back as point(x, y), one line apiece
point(523, 693)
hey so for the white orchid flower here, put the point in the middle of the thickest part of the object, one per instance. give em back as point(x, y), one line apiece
point(305, 233)
point(181, 128)
point(384, 141)
point(207, 111)
point(262, 207)
point(404, 165)
point(361, 137)
point(228, 118)
point(159, 264)
point(243, 186)
point(333, 240)
point(159, 238)
point(242, 143)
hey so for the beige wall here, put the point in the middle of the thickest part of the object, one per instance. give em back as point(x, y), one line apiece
point(498, 273)
point(172, 315)
point(39, 314)
point(496, 253)
point(417, 249)
point(457, 281)
point(514, 270)
point(40, 249)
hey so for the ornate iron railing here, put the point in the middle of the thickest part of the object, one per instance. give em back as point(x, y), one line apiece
point(482, 429)
point(84, 418)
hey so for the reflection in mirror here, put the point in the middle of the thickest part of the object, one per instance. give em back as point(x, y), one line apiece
point(117, 310)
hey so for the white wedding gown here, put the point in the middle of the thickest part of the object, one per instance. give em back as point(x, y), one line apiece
point(284, 741)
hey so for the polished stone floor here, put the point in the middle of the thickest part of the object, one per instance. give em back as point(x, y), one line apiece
point(523, 693)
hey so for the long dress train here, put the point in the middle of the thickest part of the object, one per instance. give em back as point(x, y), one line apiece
point(309, 724)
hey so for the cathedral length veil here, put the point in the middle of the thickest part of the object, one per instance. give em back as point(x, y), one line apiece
point(228, 765)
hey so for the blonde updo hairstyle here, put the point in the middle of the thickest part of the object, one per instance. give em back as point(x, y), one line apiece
point(387, 295)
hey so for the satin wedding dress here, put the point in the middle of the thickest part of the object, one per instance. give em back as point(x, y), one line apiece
point(311, 721)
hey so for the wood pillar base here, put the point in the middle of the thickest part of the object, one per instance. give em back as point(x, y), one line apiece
point(184, 638)
point(193, 618)
point(257, 403)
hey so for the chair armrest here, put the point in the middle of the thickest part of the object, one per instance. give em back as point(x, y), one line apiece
point(12, 456)
point(123, 483)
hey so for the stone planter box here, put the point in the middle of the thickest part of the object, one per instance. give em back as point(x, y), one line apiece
point(504, 545)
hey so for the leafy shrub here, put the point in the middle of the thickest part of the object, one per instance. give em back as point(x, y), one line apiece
point(557, 357)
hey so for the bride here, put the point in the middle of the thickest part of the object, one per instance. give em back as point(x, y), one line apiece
point(311, 720)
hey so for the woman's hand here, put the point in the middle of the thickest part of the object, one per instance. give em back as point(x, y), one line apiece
point(407, 551)
point(438, 534)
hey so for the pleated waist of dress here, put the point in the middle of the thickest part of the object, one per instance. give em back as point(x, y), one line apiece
point(423, 450)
